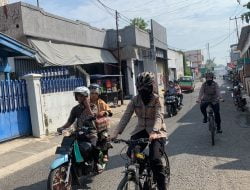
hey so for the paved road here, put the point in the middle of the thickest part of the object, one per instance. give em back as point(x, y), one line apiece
point(195, 164)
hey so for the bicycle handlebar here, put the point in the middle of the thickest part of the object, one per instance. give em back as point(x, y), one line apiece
point(128, 142)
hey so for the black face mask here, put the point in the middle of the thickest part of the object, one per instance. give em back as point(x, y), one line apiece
point(209, 82)
point(146, 95)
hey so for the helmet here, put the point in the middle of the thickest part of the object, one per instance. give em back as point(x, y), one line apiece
point(170, 82)
point(210, 75)
point(94, 88)
point(83, 90)
point(145, 80)
point(176, 82)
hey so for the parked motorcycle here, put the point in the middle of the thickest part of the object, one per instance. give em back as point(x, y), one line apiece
point(74, 160)
point(239, 101)
point(171, 104)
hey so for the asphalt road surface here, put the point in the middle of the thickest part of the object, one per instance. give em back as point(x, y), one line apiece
point(195, 164)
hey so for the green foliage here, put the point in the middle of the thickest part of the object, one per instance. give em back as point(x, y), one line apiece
point(139, 22)
point(187, 69)
point(210, 64)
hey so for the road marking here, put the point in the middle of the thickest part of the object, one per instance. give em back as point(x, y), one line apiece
point(10, 169)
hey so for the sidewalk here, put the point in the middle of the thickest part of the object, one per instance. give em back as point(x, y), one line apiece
point(20, 153)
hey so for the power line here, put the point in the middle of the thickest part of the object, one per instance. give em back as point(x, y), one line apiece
point(180, 8)
point(223, 39)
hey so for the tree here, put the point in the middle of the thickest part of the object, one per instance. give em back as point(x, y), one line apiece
point(139, 22)
point(187, 69)
point(210, 64)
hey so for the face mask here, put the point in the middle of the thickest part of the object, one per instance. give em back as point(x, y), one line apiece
point(146, 95)
point(209, 82)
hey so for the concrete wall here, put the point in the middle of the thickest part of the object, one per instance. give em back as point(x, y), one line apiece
point(130, 36)
point(36, 22)
point(11, 21)
point(159, 33)
point(47, 111)
point(56, 109)
point(194, 56)
point(176, 61)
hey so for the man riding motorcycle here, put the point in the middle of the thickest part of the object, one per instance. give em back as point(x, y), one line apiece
point(80, 113)
point(148, 109)
point(210, 94)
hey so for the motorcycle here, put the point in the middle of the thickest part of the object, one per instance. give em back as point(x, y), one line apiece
point(239, 101)
point(171, 104)
point(74, 160)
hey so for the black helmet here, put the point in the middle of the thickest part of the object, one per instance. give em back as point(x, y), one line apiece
point(145, 80)
point(209, 74)
point(176, 81)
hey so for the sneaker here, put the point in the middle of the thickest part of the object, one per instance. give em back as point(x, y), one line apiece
point(99, 168)
point(205, 120)
point(105, 158)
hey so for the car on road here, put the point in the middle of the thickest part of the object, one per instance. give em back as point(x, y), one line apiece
point(187, 83)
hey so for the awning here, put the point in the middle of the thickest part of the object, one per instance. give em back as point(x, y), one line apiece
point(97, 76)
point(59, 54)
point(10, 47)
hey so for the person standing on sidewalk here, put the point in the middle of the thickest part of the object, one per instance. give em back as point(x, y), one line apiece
point(148, 110)
point(210, 94)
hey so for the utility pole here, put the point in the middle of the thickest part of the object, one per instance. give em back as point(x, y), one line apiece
point(237, 28)
point(119, 57)
point(208, 51)
point(37, 3)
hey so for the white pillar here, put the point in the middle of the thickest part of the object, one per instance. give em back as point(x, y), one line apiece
point(34, 98)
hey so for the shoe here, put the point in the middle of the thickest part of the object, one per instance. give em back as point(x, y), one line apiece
point(205, 120)
point(105, 158)
point(182, 104)
point(99, 168)
point(219, 131)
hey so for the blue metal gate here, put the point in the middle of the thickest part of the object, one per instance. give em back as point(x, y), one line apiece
point(14, 110)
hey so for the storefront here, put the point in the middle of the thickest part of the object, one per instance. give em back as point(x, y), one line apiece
point(110, 90)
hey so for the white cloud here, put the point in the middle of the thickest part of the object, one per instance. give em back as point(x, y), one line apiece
point(190, 23)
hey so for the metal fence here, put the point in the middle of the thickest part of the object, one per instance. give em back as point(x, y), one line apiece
point(13, 95)
point(60, 84)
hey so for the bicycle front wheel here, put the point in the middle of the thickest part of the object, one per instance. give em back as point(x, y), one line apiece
point(129, 183)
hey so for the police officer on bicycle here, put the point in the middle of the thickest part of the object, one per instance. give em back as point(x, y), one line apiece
point(149, 112)
point(210, 94)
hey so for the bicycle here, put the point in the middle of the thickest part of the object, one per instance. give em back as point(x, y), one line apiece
point(211, 122)
point(138, 173)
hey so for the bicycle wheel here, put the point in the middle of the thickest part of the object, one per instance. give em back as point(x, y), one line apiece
point(129, 183)
point(166, 168)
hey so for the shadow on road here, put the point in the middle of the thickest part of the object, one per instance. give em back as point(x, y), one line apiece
point(42, 185)
point(193, 137)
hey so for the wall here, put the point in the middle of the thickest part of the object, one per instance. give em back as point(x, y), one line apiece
point(159, 33)
point(56, 109)
point(176, 62)
point(11, 21)
point(33, 21)
point(194, 56)
point(130, 36)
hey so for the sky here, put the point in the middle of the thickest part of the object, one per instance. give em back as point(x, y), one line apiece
point(190, 24)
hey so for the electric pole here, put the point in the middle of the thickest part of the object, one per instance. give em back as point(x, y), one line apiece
point(37, 3)
point(237, 28)
point(208, 51)
point(119, 57)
